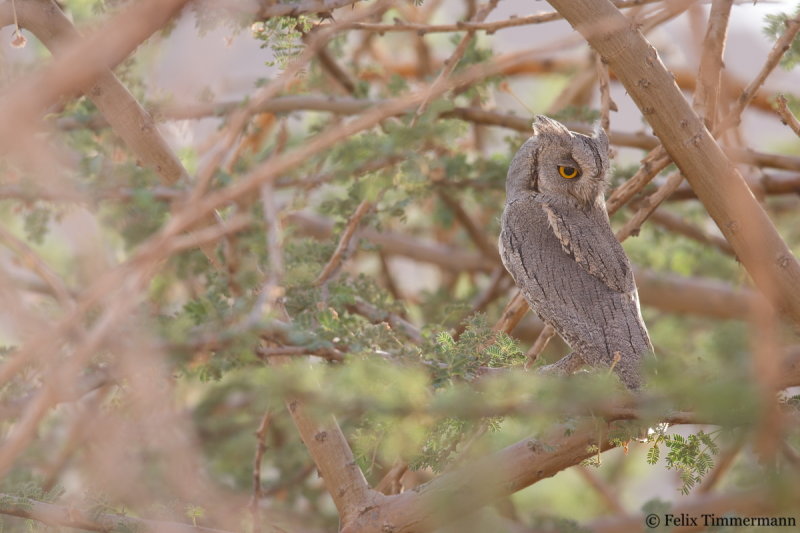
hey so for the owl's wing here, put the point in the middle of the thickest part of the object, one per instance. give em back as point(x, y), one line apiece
point(590, 241)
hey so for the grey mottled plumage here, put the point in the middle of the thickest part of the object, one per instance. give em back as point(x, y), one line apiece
point(557, 244)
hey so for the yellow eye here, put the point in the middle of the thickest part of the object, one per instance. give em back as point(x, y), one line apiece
point(568, 172)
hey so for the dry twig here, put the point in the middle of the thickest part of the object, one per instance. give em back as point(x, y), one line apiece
point(333, 264)
point(787, 117)
point(261, 447)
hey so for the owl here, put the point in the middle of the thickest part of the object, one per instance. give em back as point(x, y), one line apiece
point(557, 243)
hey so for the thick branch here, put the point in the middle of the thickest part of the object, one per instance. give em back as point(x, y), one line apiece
point(479, 483)
point(59, 516)
point(679, 294)
point(739, 216)
point(334, 459)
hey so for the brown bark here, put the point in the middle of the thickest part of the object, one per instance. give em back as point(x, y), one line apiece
point(461, 491)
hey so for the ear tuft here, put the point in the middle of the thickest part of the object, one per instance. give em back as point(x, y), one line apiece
point(599, 135)
point(542, 124)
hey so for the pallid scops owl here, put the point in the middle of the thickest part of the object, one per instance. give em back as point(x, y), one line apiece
point(558, 245)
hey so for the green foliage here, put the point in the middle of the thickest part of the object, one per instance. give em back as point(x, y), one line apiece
point(774, 26)
point(478, 346)
point(195, 512)
point(282, 35)
point(691, 456)
point(37, 221)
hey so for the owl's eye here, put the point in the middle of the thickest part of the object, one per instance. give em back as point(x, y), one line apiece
point(568, 172)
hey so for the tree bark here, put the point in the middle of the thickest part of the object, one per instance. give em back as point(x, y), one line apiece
point(456, 494)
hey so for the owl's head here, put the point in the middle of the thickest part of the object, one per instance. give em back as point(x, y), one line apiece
point(560, 162)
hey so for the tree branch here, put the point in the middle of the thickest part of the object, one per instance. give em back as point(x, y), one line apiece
point(337, 258)
point(488, 27)
point(465, 490)
point(709, 75)
point(787, 117)
point(776, 53)
point(60, 516)
point(334, 459)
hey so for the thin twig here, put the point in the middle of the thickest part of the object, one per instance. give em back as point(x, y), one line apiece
point(539, 345)
point(378, 316)
point(653, 163)
point(648, 205)
point(487, 296)
point(675, 223)
point(606, 103)
point(780, 47)
point(476, 235)
point(36, 263)
point(606, 493)
point(452, 61)
point(489, 27)
point(269, 9)
point(390, 483)
point(512, 314)
point(261, 447)
point(331, 354)
point(724, 464)
point(787, 117)
point(344, 243)
point(388, 277)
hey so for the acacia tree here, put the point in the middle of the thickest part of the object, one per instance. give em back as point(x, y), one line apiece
point(236, 339)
